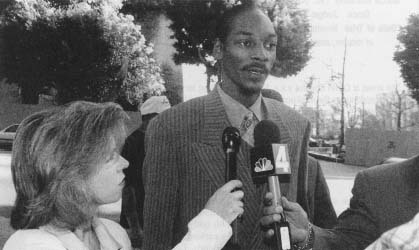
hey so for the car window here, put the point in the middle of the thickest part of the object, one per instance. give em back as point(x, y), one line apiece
point(12, 129)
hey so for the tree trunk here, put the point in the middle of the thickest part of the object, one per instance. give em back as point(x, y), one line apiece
point(342, 114)
point(318, 113)
point(399, 121)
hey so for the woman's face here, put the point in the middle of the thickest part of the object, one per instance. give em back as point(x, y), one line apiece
point(107, 181)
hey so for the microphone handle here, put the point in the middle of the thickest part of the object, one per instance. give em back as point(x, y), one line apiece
point(275, 189)
point(231, 174)
point(282, 228)
point(231, 165)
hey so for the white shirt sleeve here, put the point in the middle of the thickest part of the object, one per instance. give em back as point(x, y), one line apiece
point(207, 231)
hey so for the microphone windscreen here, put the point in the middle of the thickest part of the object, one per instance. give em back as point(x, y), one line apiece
point(266, 133)
point(231, 138)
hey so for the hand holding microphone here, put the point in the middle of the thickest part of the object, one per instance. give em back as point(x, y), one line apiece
point(226, 202)
point(270, 160)
point(296, 216)
point(270, 163)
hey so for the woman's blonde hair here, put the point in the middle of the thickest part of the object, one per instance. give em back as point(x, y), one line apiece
point(54, 153)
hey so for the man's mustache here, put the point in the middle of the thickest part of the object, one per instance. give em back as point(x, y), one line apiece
point(257, 66)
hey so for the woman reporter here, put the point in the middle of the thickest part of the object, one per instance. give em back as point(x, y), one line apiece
point(66, 163)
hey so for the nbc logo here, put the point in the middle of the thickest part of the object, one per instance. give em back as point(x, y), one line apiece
point(263, 165)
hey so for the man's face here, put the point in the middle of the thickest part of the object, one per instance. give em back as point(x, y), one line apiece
point(249, 52)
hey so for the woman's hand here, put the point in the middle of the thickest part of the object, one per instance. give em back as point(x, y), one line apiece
point(226, 201)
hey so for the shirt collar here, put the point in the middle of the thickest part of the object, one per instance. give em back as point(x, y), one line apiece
point(237, 111)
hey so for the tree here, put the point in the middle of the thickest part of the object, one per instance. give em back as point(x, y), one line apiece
point(353, 116)
point(194, 24)
point(4, 4)
point(394, 110)
point(332, 121)
point(145, 13)
point(316, 117)
point(309, 113)
point(356, 117)
point(407, 54)
point(85, 49)
point(309, 87)
point(311, 90)
point(353, 113)
point(370, 121)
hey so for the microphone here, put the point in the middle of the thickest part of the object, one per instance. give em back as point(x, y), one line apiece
point(270, 161)
point(231, 144)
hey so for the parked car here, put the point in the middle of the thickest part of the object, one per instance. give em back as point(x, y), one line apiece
point(313, 142)
point(7, 135)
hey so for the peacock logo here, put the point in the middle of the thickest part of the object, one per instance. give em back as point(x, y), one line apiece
point(263, 164)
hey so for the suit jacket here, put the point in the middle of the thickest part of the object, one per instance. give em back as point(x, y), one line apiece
point(316, 201)
point(384, 197)
point(133, 152)
point(184, 166)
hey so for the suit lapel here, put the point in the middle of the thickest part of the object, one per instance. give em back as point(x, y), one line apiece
point(210, 159)
point(273, 112)
point(208, 149)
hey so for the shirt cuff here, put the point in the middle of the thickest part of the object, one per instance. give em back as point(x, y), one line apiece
point(206, 231)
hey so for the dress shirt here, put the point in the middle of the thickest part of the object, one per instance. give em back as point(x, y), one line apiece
point(237, 113)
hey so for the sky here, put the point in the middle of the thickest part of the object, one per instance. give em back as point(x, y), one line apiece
point(370, 28)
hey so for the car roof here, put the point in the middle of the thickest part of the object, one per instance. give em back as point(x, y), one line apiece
point(10, 126)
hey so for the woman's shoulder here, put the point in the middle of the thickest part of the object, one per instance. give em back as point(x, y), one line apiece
point(33, 239)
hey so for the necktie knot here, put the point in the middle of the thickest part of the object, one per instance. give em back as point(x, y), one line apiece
point(247, 122)
point(247, 126)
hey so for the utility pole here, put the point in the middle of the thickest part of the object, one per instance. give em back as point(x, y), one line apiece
point(318, 113)
point(363, 115)
point(342, 113)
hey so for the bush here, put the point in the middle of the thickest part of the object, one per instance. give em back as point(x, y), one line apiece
point(85, 49)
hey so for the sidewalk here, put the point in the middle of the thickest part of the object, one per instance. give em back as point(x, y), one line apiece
point(340, 179)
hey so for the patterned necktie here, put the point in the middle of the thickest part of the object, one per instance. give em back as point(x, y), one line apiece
point(247, 126)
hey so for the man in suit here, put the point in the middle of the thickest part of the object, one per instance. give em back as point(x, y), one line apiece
point(131, 217)
point(184, 161)
point(384, 197)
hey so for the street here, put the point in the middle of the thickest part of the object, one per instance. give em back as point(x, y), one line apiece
point(7, 195)
point(7, 191)
point(339, 177)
